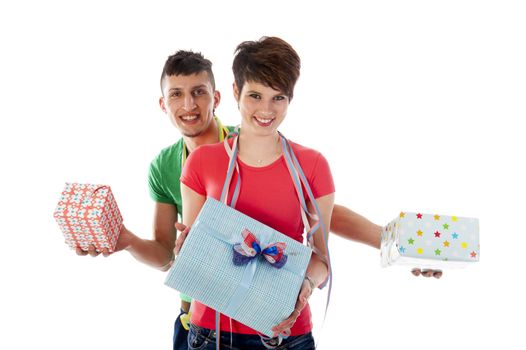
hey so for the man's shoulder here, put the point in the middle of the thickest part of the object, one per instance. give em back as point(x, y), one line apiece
point(169, 153)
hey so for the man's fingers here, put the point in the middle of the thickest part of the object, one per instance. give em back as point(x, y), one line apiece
point(81, 252)
point(92, 251)
point(427, 273)
point(416, 271)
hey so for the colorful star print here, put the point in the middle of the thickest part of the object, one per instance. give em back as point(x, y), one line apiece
point(434, 237)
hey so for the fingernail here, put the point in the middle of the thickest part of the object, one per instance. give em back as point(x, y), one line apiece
point(415, 272)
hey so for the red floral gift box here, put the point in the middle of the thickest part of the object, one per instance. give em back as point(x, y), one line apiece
point(88, 214)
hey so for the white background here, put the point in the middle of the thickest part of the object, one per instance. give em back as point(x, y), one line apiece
point(416, 104)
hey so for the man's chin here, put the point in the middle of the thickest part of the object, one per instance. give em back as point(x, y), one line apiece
point(187, 133)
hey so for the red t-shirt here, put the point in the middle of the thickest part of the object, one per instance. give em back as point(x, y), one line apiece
point(267, 194)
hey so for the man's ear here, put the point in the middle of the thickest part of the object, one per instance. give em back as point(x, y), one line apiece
point(217, 98)
point(161, 104)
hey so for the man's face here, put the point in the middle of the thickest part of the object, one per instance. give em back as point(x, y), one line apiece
point(189, 101)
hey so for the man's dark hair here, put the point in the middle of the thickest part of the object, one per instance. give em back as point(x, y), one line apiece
point(187, 63)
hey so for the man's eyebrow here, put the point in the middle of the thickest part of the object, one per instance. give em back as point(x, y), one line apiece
point(193, 87)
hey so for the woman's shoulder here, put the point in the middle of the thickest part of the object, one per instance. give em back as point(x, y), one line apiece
point(304, 152)
point(210, 149)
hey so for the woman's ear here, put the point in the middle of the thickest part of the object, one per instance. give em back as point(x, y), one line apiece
point(236, 91)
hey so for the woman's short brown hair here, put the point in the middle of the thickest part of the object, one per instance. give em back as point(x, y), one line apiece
point(270, 61)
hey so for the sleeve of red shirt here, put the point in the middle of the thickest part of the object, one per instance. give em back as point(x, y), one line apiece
point(319, 174)
point(192, 173)
point(320, 177)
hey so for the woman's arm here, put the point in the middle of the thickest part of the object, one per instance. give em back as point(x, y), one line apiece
point(317, 270)
point(192, 204)
point(318, 266)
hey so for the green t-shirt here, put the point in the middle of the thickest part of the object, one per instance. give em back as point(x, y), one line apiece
point(164, 177)
point(165, 172)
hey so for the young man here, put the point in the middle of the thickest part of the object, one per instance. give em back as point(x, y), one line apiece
point(189, 98)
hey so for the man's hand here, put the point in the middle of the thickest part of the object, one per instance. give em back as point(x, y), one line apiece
point(122, 243)
point(427, 272)
point(181, 237)
point(285, 326)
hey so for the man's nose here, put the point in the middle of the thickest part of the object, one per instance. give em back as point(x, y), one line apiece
point(189, 103)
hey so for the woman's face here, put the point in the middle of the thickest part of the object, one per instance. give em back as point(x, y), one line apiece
point(262, 108)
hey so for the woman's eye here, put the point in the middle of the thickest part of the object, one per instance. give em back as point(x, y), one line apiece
point(256, 96)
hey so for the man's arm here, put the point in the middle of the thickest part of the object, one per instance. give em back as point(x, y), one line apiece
point(156, 252)
point(350, 225)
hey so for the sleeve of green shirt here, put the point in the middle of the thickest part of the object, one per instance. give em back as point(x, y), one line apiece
point(155, 182)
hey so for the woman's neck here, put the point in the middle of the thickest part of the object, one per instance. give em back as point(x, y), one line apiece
point(259, 151)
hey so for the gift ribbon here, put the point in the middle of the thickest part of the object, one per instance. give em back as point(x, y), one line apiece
point(250, 248)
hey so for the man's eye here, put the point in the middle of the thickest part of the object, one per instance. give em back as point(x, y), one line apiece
point(256, 96)
point(279, 98)
point(199, 92)
point(175, 94)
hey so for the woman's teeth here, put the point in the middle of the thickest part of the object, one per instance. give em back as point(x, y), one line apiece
point(263, 121)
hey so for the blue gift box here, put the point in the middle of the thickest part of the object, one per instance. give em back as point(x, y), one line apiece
point(430, 240)
point(257, 294)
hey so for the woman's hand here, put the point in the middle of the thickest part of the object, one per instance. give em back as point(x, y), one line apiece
point(306, 291)
point(181, 237)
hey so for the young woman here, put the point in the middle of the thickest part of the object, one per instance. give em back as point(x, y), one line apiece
point(265, 73)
